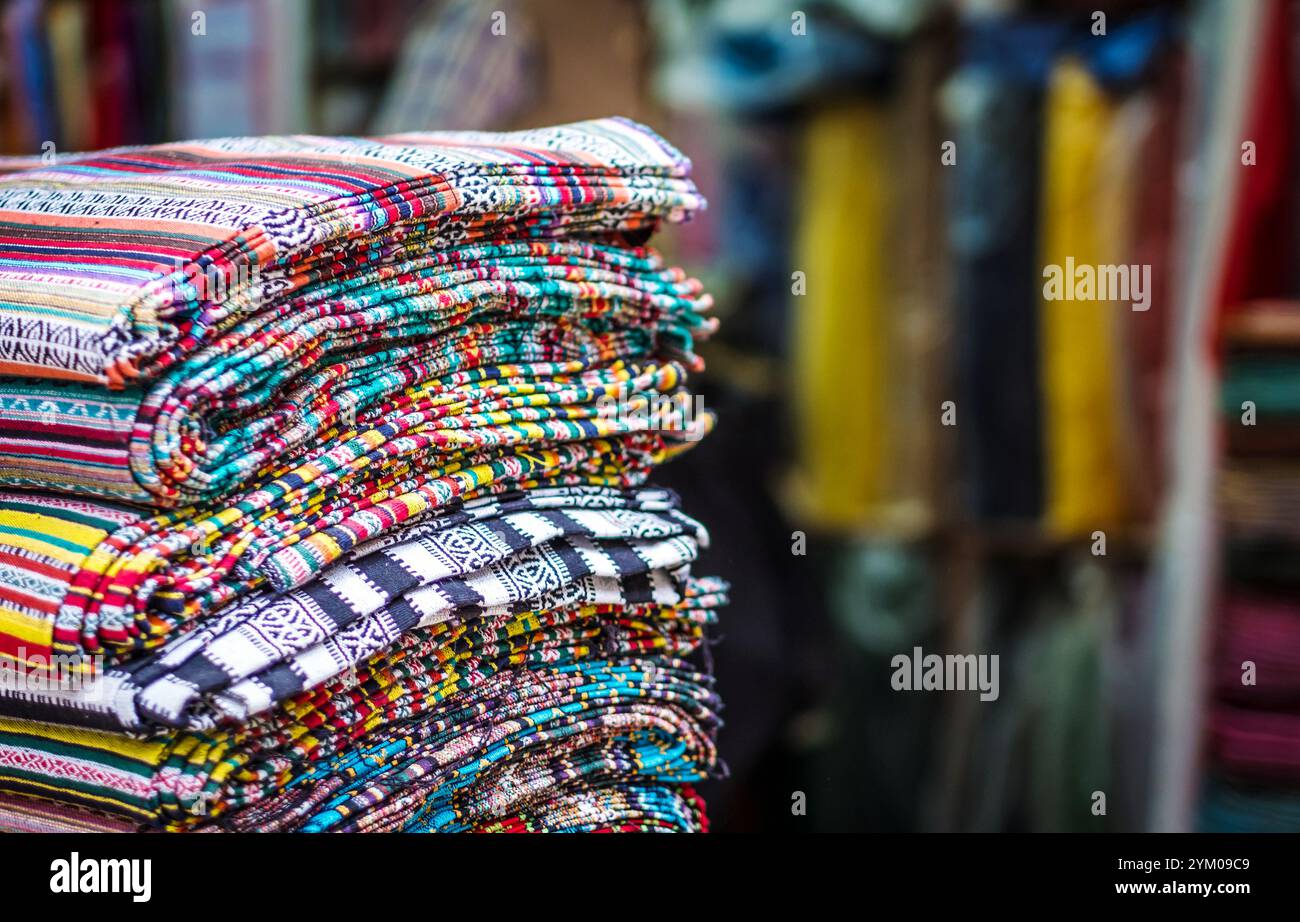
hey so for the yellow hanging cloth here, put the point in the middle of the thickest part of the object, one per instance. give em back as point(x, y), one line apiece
point(1087, 186)
point(841, 324)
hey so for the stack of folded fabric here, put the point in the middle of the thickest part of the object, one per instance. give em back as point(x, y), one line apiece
point(1254, 718)
point(324, 506)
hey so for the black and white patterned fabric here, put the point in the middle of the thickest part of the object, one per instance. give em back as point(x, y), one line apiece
point(510, 553)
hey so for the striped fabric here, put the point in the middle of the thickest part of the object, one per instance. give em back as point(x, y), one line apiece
point(106, 256)
point(561, 547)
point(344, 356)
point(45, 541)
point(322, 473)
point(128, 590)
point(484, 692)
point(37, 814)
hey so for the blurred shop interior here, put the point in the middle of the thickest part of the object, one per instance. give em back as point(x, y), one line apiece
point(917, 448)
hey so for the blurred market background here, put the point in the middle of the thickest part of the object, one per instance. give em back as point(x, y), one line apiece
point(916, 449)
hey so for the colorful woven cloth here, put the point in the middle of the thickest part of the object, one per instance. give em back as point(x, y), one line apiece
point(445, 705)
point(322, 500)
point(580, 545)
point(107, 578)
point(386, 352)
point(119, 263)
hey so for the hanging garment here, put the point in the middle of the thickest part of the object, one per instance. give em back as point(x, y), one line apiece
point(1080, 329)
point(841, 325)
point(993, 191)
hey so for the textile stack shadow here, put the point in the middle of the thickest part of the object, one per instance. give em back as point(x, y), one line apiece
point(323, 487)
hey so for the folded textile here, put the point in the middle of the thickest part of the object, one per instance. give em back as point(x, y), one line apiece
point(611, 807)
point(19, 813)
point(1263, 631)
point(1256, 745)
point(559, 546)
point(322, 487)
point(1261, 326)
point(1259, 498)
point(96, 575)
point(312, 341)
point(1273, 438)
point(393, 346)
point(1265, 564)
point(448, 705)
point(1229, 807)
point(105, 248)
point(1270, 382)
point(252, 299)
point(627, 808)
